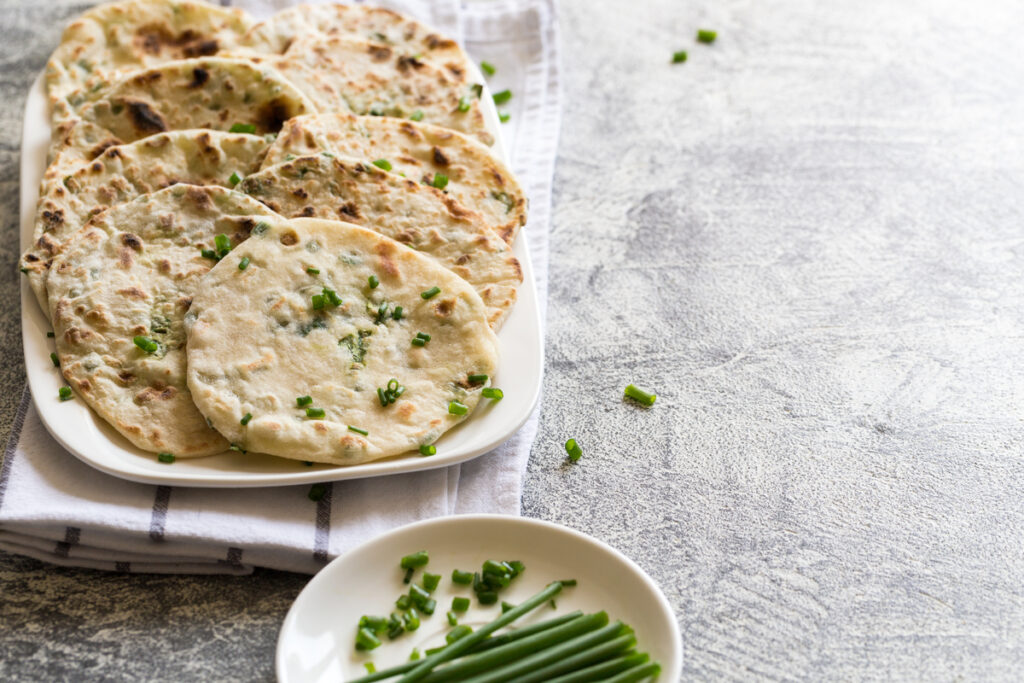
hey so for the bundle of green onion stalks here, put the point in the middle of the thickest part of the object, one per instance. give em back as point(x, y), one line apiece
point(567, 649)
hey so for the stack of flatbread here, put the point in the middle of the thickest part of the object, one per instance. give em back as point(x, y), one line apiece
point(287, 237)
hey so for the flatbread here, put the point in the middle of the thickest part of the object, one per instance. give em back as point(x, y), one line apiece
point(212, 92)
point(362, 77)
point(476, 178)
point(124, 172)
point(418, 216)
point(131, 271)
point(278, 34)
point(112, 39)
point(256, 344)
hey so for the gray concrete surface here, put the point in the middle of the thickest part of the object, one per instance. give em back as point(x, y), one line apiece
point(809, 240)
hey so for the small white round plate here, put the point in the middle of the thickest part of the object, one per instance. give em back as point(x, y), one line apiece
point(316, 639)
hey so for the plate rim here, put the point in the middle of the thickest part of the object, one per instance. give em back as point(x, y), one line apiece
point(34, 324)
point(322, 577)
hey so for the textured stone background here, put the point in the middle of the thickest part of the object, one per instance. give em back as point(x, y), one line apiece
point(809, 240)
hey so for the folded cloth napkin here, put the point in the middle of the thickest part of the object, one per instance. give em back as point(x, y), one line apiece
point(56, 508)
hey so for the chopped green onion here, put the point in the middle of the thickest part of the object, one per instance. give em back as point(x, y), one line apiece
point(166, 458)
point(504, 116)
point(238, 449)
point(365, 638)
point(640, 395)
point(464, 104)
point(573, 449)
point(383, 164)
point(477, 379)
point(357, 430)
point(223, 245)
point(478, 90)
point(427, 449)
point(416, 341)
point(244, 263)
point(51, 335)
point(243, 128)
point(146, 344)
point(64, 393)
point(332, 296)
point(429, 606)
point(373, 282)
point(315, 413)
point(418, 594)
point(397, 313)
point(502, 97)
point(440, 181)
point(316, 492)
point(431, 581)
point(318, 302)
point(246, 419)
point(414, 655)
point(382, 397)
point(453, 619)
point(488, 68)
point(209, 253)
point(679, 57)
point(417, 559)
point(460, 604)
point(303, 401)
point(53, 357)
point(370, 667)
point(235, 179)
point(417, 115)
point(313, 271)
point(463, 578)
point(456, 408)
point(506, 606)
point(403, 602)
point(411, 620)
point(430, 293)
point(457, 632)
point(492, 393)
point(705, 36)
point(408, 575)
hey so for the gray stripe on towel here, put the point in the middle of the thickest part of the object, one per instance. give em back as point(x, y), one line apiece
point(159, 519)
point(71, 536)
point(323, 526)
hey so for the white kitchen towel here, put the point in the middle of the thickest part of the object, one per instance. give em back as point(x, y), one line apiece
point(56, 508)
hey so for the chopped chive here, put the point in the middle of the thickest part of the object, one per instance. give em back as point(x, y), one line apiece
point(223, 244)
point(705, 36)
point(568, 583)
point(431, 293)
point(431, 581)
point(429, 606)
point(235, 179)
point(243, 128)
point(679, 57)
point(640, 395)
point(373, 282)
point(370, 667)
point(440, 181)
point(453, 619)
point(382, 397)
point(427, 449)
point(64, 393)
point(365, 638)
point(332, 296)
point(417, 559)
point(146, 344)
point(456, 408)
point(573, 449)
point(416, 341)
point(411, 619)
point(53, 357)
point(383, 164)
point(423, 335)
point(457, 632)
point(504, 116)
point(357, 430)
point(166, 458)
point(403, 602)
point(397, 313)
point(464, 579)
point(303, 401)
point(51, 335)
point(246, 419)
point(417, 115)
point(316, 492)
point(244, 263)
point(315, 413)
point(464, 104)
point(502, 97)
point(492, 393)
point(488, 68)
point(478, 379)
point(313, 271)
point(318, 302)
point(209, 253)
